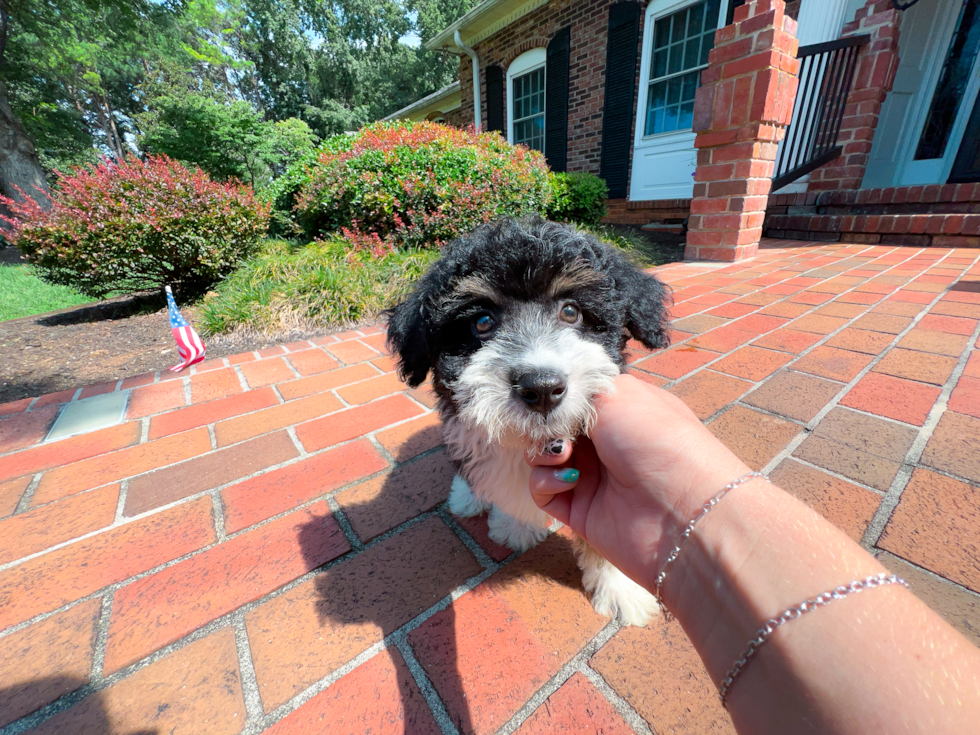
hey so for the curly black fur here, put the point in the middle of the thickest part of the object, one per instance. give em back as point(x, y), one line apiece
point(520, 259)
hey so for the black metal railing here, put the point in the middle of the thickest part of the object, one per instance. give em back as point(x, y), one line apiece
point(826, 74)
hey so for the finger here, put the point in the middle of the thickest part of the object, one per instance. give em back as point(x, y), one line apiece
point(550, 494)
point(557, 452)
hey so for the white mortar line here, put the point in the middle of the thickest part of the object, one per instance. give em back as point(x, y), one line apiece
point(24, 503)
point(894, 494)
point(624, 708)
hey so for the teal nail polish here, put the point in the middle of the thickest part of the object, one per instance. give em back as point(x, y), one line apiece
point(566, 475)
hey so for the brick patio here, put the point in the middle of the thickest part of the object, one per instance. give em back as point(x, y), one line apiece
point(262, 545)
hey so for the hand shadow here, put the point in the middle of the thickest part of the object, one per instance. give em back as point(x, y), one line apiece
point(376, 593)
point(88, 717)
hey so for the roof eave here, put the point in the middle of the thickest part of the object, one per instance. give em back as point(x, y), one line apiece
point(483, 21)
point(440, 95)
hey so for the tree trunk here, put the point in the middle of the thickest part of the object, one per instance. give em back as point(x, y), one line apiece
point(19, 165)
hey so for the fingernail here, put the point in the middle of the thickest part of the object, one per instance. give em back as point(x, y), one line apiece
point(566, 475)
point(556, 447)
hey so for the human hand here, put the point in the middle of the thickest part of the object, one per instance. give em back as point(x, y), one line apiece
point(645, 471)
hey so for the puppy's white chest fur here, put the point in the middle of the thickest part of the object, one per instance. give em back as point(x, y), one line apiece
point(495, 479)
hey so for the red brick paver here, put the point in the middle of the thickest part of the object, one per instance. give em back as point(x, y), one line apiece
point(263, 544)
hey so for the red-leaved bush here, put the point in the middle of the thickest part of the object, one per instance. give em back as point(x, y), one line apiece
point(132, 225)
point(421, 184)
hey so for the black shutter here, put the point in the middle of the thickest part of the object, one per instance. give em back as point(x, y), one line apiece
point(556, 99)
point(495, 98)
point(622, 47)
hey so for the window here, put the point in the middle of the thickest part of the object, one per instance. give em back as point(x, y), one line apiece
point(681, 43)
point(952, 83)
point(525, 83)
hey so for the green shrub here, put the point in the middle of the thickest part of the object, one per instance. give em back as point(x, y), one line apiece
point(404, 184)
point(133, 225)
point(318, 286)
point(577, 197)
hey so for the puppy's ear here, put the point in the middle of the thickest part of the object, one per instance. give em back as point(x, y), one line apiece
point(647, 304)
point(409, 338)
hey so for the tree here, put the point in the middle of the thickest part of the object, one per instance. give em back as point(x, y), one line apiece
point(68, 69)
point(203, 80)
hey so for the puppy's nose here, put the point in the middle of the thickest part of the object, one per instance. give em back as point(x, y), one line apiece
point(541, 390)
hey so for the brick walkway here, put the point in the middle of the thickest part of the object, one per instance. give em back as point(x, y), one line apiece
point(262, 545)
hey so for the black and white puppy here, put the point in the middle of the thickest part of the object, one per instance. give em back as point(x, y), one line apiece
point(522, 324)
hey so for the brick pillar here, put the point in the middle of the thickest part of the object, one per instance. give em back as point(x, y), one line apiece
point(873, 80)
point(740, 114)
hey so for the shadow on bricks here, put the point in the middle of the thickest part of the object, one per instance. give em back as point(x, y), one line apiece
point(384, 587)
point(969, 286)
point(23, 698)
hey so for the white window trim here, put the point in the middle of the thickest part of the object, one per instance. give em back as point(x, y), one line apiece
point(526, 62)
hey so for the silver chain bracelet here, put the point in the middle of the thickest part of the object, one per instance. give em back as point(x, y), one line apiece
point(689, 529)
point(824, 598)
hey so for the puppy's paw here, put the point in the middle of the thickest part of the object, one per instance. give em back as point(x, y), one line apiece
point(614, 595)
point(462, 502)
point(628, 606)
point(514, 534)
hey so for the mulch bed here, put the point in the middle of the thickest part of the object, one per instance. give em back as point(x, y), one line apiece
point(96, 343)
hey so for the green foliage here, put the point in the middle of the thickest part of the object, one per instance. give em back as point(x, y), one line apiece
point(324, 284)
point(418, 184)
point(577, 197)
point(71, 68)
point(223, 138)
point(227, 139)
point(23, 293)
point(89, 77)
point(132, 225)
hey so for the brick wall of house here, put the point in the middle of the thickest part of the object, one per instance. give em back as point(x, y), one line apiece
point(586, 74)
point(589, 21)
point(456, 118)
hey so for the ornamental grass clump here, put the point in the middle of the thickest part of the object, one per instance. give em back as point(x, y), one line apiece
point(417, 184)
point(289, 288)
point(131, 225)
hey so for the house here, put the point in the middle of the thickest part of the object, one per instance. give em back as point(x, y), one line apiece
point(442, 106)
point(669, 102)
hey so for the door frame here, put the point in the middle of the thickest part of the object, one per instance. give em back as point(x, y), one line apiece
point(908, 171)
point(657, 9)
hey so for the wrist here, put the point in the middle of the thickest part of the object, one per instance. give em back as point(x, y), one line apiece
point(757, 553)
point(692, 489)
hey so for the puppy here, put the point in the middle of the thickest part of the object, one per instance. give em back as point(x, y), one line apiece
point(522, 324)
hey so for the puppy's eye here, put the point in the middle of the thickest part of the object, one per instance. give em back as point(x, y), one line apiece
point(483, 324)
point(570, 313)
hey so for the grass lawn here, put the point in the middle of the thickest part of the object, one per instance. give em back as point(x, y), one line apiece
point(22, 293)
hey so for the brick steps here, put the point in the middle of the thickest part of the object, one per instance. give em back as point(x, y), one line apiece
point(920, 230)
point(920, 216)
point(625, 212)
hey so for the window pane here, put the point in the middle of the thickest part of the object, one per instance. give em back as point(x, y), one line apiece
point(528, 107)
point(686, 118)
point(692, 53)
point(690, 82)
point(661, 35)
point(952, 83)
point(676, 59)
point(670, 104)
point(707, 43)
point(681, 44)
point(696, 22)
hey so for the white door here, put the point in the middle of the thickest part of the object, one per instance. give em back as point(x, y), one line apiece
point(677, 36)
point(916, 139)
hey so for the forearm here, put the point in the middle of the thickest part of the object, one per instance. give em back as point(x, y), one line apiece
point(876, 661)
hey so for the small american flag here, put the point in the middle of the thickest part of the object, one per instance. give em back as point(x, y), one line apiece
point(189, 345)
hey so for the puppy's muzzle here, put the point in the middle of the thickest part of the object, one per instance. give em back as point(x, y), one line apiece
point(541, 390)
